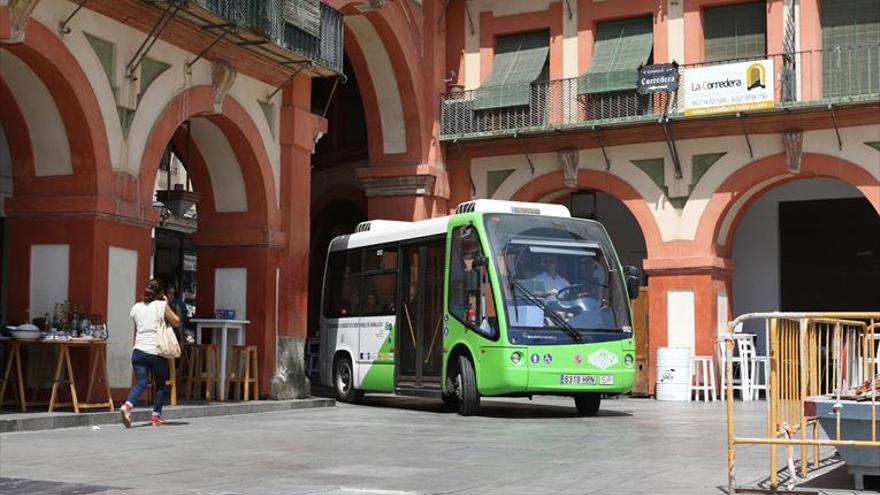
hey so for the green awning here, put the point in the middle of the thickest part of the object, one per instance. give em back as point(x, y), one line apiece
point(620, 48)
point(735, 32)
point(850, 47)
point(519, 61)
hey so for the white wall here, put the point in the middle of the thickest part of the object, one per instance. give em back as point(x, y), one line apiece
point(49, 276)
point(756, 246)
point(121, 294)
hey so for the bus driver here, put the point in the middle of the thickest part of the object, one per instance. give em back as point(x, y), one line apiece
point(552, 280)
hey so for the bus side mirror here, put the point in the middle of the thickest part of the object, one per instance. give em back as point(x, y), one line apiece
point(633, 277)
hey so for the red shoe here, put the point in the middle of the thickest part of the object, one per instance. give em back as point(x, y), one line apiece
point(125, 412)
point(157, 420)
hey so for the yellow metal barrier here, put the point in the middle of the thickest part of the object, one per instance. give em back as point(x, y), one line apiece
point(810, 354)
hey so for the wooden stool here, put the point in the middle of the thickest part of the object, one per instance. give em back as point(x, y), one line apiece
point(203, 368)
point(241, 371)
point(171, 383)
point(702, 378)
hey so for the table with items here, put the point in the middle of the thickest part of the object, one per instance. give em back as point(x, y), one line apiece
point(54, 347)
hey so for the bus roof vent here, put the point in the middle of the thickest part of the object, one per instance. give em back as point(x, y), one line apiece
point(467, 207)
point(518, 207)
point(380, 225)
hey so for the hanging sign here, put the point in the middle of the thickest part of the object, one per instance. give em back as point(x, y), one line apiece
point(728, 88)
point(189, 263)
point(657, 78)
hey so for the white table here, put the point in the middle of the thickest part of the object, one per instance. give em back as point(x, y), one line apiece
point(223, 327)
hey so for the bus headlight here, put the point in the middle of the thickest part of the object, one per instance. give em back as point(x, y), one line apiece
point(516, 357)
point(628, 360)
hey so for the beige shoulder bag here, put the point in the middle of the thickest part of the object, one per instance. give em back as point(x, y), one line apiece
point(166, 341)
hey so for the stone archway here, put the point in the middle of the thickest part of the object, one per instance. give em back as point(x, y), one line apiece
point(550, 184)
point(238, 241)
point(730, 201)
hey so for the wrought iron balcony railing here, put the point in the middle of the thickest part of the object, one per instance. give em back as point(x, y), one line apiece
point(844, 74)
point(261, 23)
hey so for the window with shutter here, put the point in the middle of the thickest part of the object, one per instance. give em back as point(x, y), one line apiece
point(621, 47)
point(304, 14)
point(850, 48)
point(519, 61)
point(734, 32)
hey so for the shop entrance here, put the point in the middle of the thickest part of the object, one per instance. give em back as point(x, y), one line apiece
point(809, 245)
point(829, 252)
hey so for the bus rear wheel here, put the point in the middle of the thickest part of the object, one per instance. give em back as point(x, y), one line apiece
point(343, 381)
point(466, 386)
point(588, 403)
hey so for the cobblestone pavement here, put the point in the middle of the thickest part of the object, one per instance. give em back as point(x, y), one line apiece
point(392, 445)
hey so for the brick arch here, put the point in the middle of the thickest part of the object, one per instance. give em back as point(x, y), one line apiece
point(244, 137)
point(401, 42)
point(730, 202)
point(52, 62)
point(547, 184)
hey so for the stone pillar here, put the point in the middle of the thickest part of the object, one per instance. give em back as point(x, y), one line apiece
point(687, 301)
point(96, 261)
point(298, 129)
point(243, 278)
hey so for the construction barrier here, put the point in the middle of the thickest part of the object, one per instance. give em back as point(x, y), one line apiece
point(813, 358)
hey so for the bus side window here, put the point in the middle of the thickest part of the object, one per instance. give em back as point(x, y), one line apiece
point(470, 295)
point(342, 285)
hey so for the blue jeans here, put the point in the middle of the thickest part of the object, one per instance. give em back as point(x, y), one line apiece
point(143, 363)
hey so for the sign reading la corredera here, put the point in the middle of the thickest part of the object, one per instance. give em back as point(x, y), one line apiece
point(656, 78)
point(728, 88)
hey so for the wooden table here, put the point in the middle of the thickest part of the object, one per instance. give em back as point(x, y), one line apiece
point(223, 327)
point(64, 372)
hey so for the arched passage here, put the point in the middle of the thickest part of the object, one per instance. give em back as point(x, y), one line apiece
point(790, 235)
point(550, 185)
point(236, 243)
point(737, 193)
point(61, 176)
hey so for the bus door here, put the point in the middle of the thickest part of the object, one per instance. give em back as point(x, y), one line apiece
point(419, 318)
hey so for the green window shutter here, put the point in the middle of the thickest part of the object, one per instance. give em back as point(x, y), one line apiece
point(519, 61)
point(304, 14)
point(621, 47)
point(735, 32)
point(850, 48)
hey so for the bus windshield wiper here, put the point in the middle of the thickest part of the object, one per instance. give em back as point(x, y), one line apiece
point(560, 321)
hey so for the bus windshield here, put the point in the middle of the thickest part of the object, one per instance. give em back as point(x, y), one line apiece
point(560, 280)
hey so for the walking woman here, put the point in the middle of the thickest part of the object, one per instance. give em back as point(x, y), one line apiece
point(145, 356)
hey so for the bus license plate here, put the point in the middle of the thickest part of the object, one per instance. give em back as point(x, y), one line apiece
point(586, 379)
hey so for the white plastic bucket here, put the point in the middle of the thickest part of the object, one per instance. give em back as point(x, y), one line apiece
point(673, 373)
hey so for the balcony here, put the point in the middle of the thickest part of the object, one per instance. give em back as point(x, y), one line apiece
point(840, 76)
point(261, 26)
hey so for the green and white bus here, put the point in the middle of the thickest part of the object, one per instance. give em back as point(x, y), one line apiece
point(500, 299)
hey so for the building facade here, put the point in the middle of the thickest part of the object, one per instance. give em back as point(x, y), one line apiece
point(768, 202)
point(96, 97)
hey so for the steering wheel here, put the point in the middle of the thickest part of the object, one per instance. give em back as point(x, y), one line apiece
point(578, 298)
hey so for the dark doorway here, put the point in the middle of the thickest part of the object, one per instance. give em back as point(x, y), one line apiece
point(829, 253)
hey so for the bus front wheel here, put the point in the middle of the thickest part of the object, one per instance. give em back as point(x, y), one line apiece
point(343, 381)
point(466, 385)
point(587, 404)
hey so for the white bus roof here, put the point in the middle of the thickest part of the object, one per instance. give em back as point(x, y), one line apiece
point(375, 232)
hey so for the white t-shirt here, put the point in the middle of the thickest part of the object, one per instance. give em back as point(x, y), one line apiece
point(551, 282)
point(146, 321)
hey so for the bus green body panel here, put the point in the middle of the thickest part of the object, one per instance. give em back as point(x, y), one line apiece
point(380, 375)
